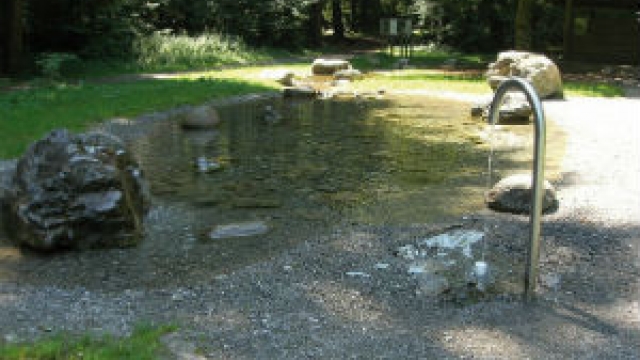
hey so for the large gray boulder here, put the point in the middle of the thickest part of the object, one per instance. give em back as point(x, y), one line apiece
point(540, 71)
point(513, 194)
point(76, 191)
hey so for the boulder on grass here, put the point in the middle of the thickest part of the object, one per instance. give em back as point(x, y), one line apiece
point(540, 71)
point(329, 66)
point(76, 191)
point(513, 195)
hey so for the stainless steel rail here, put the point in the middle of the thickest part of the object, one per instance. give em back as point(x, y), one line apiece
point(531, 271)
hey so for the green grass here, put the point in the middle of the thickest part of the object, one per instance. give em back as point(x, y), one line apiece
point(576, 88)
point(425, 80)
point(472, 83)
point(168, 53)
point(144, 343)
point(27, 115)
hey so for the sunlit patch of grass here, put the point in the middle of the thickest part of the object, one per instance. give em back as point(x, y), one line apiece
point(424, 80)
point(572, 88)
point(27, 115)
point(472, 83)
point(144, 343)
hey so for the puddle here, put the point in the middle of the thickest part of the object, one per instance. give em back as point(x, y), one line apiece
point(324, 164)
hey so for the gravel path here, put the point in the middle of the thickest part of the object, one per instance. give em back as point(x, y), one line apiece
point(327, 298)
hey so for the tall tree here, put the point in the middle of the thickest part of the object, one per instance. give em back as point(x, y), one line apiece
point(336, 19)
point(314, 26)
point(523, 35)
point(12, 35)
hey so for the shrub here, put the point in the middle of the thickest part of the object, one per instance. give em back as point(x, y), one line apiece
point(57, 65)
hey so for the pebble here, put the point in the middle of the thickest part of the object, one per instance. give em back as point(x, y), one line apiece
point(357, 274)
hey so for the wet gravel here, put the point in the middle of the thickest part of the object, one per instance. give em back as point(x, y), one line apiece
point(327, 298)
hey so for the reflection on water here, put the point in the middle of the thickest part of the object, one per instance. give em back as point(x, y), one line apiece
point(372, 161)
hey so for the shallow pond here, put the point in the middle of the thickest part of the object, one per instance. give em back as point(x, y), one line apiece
point(323, 165)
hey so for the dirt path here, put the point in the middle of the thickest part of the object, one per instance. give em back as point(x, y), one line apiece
point(329, 298)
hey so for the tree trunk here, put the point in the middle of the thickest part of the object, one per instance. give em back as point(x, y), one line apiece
point(354, 18)
point(11, 36)
point(568, 29)
point(338, 24)
point(315, 23)
point(523, 36)
point(369, 15)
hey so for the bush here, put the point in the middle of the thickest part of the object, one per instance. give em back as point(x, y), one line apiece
point(58, 65)
point(180, 52)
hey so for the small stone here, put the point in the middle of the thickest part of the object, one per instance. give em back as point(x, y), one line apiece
point(407, 252)
point(513, 194)
point(300, 92)
point(244, 229)
point(199, 118)
point(550, 281)
point(478, 109)
point(357, 274)
point(431, 285)
point(205, 165)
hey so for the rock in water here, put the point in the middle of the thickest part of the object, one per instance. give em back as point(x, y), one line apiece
point(537, 69)
point(199, 118)
point(301, 92)
point(76, 191)
point(515, 108)
point(513, 194)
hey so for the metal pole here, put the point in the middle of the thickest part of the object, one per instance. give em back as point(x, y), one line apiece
point(531, 271)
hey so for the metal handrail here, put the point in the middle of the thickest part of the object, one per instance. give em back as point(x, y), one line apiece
point(531, 271)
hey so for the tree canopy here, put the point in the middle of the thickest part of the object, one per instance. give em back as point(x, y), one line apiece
point(108, 28)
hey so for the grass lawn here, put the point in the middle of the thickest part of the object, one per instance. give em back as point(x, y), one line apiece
point(26, 115)
point(472, 83)
point(143, 344)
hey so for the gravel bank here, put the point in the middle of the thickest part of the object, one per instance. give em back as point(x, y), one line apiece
point(327, 298)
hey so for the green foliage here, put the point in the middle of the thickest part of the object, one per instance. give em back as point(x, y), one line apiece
point(143, 344)
point(487, 25)
point(57, 65)
point(578, 88)
point(182, 52)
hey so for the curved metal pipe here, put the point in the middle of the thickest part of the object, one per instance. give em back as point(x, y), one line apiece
point(531, 271)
